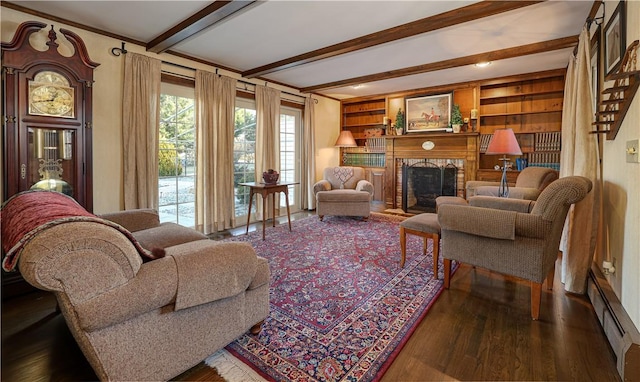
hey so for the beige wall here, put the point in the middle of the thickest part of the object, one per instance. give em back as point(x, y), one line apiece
point(107, 106)
point(622, 193)
point(327, 128)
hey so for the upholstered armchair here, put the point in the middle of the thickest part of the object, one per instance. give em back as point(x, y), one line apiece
point(520, 239)
point(529, 184)
point(343, 191)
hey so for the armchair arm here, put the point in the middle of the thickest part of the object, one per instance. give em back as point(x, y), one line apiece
point(472, 186)
point(134, 220)
point(81, 259)
point(192, 274)
point(496, 224)
point(514, 192)
point(517, 205)
point(153, 287)
point(322, 185)
point(364, 185)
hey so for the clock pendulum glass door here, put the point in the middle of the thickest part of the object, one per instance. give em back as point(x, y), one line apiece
point(50, 155)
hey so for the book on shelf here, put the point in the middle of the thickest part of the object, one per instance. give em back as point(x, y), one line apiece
point(548, 141)
point(364, 159)
point(484, 142)
point(544, 159)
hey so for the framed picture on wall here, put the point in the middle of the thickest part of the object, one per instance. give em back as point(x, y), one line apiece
point(428, 113)
point(615, 39)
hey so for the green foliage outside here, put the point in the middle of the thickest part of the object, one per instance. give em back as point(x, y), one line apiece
point(244, 151)
point(168, 161)
point(177, 135)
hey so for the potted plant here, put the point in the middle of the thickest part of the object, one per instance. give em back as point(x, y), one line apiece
point(456, 118)
point(399, 122)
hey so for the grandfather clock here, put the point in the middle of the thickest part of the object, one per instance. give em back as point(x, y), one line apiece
point(47, 115)
point(46, 119)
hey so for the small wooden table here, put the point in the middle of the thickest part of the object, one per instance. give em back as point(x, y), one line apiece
point(264, 190)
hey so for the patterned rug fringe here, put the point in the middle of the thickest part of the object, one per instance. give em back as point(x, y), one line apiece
point(232, 369)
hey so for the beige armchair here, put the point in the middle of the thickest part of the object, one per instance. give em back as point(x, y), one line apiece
point(344, 191)
point(135, 320)
point(529, 184)
point(521, 239)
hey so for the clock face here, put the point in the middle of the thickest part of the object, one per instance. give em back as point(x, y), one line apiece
point(50, 95)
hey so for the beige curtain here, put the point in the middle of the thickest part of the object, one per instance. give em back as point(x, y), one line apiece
point(140, 129)
point(267, 134)
point(215, 119)
point(307, 156)
point(579, 157)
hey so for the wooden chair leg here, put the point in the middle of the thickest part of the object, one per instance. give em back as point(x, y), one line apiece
point(436, 248)
point(550, 277)
point(424, 245)
point(447, 273)
point(255, 329)
point(403, 246)
point(536, 296)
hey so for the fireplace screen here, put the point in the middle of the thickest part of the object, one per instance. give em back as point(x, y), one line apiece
point(423, 182)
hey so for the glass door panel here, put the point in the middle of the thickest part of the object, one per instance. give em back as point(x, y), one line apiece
point(51, 160)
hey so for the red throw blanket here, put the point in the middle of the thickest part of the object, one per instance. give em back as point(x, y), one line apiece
point(25, 214)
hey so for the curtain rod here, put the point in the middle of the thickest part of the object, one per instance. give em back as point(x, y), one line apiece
point(118, 51)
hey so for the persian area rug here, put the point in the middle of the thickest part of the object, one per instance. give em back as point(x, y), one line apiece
point(341, 306)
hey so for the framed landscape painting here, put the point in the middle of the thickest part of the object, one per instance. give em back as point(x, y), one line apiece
point(428, 113)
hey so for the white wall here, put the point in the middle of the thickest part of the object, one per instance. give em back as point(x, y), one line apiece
point(622, 193)
point(107, 105)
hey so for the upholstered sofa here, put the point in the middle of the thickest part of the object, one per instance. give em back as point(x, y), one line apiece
point(138, 320)
point(343, 191)
point(529, 184)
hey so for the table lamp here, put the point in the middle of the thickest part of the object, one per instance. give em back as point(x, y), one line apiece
point(504, 143)
point(345, 140)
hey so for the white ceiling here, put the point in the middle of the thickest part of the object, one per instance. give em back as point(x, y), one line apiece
point(269, 31)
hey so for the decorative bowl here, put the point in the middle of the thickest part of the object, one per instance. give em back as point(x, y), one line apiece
point(270, 176)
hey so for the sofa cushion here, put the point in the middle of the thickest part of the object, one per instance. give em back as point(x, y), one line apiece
point(167, 235)
point(209, 270)
point(343, 196)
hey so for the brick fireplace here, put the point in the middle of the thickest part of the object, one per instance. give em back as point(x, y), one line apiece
point(441, 150)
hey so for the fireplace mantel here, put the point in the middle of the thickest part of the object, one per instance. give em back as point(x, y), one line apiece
point(462, 146)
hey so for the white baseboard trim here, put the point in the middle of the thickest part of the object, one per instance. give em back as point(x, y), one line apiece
point(622, 334)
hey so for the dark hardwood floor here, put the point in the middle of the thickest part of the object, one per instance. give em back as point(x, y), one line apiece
point(479, 329)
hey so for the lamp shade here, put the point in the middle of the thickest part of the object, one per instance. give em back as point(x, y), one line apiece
point(346, 139)
point(504, 142)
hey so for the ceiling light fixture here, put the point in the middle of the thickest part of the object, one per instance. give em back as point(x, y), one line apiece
point(483, 64)
point(357, 86)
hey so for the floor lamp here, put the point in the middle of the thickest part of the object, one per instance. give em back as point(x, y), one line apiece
point(504, 143)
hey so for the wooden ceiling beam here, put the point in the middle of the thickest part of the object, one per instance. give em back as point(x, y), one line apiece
point(523, 50)
point(443, 20)
point(203, 19)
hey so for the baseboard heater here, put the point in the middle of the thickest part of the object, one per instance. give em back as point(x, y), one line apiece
point(621, 333)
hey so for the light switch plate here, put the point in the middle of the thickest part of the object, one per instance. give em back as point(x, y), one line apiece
point(632, 151)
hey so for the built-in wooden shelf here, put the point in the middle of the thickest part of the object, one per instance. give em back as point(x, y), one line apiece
point(524, 94)
point(520, 113)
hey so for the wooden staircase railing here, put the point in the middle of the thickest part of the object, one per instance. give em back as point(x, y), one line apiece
point(611, 111)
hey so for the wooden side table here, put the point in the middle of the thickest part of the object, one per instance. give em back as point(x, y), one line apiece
point(265, 190)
